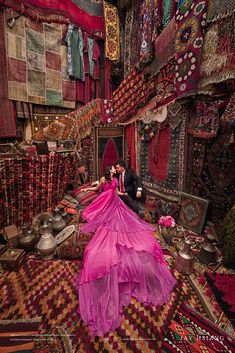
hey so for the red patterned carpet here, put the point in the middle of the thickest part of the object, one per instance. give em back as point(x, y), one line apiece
point(47, 290)
point(190, 332)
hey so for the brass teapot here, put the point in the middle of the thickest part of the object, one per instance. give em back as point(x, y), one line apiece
point(185, 258)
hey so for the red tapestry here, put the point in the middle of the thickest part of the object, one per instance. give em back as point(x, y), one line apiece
point(65, 11)
point(7, 114)
point(110, 155)
point(159, 154)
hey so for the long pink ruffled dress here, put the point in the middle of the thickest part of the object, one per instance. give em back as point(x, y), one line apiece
point(122, 260)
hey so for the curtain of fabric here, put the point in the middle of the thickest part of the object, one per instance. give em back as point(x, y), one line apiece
point(58, 11)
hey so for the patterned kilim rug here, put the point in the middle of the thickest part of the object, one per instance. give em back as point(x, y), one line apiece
point(190, 332)
point(47, 289)
point(18, 335)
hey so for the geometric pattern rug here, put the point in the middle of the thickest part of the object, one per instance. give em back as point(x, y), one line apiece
point(190, 332)
point(47, 289)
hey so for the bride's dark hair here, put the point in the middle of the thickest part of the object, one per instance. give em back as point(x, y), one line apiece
point(107, 173)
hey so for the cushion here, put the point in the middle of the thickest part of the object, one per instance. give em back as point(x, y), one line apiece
point(84, 198)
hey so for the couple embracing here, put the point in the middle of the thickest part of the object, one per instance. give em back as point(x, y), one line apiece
point(123, 259)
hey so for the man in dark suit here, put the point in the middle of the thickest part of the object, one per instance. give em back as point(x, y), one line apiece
point(130, 187)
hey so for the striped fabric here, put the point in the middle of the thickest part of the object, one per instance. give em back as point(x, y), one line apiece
point(18, 335)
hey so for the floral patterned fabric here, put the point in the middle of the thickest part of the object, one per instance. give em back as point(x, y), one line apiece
point(190, 24)
point(146, 28)
point(112, 48)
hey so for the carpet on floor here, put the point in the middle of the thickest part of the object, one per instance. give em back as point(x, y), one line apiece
point(191, 332)
point(47, 289)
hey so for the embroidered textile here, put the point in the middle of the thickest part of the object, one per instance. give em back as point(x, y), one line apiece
point(146, 28)
point(90, 48)
point(69, 48)
point(75, 43)
point(158, 16)
point(80, 73)
point(190, 24)
point(164, 47)
point(128, 41)
point(76, 124)
point(218, 9)
point(211, 173)
point(135, 36)
point(169, 9)
point(218, 59)
point(206, 122)
point(37, 64)
point(132, 40)
point(174, 148)
point(112, 40)
point(7, 115)
point(138, 89)
point(68, 11)
point(107, 110)
point(173, 114)
point(192, 212)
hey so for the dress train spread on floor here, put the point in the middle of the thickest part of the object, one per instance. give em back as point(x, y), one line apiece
point(122, 260)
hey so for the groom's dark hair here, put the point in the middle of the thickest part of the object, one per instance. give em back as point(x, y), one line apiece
point(121, 162)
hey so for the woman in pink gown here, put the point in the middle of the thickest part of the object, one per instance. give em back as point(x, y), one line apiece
point(122, 260)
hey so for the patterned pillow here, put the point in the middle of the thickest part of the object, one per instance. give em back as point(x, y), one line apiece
point(84, 198)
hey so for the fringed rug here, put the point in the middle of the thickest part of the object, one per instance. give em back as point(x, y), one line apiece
point(190, 332)
point(47, 289)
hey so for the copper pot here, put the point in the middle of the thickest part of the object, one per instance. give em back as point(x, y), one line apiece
point(185, 258)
